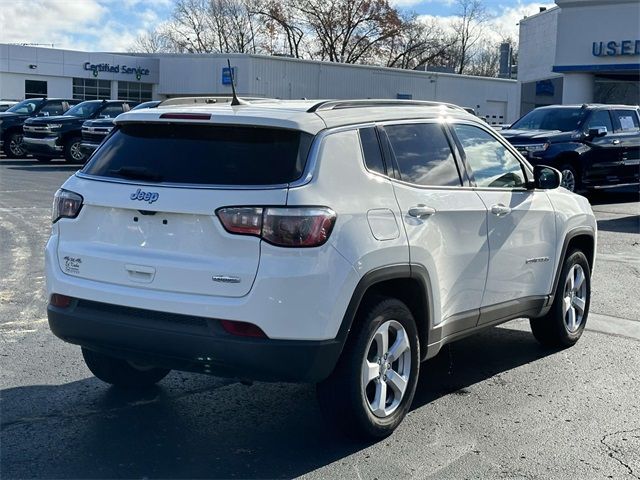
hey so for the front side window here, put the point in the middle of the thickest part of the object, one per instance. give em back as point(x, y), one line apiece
point(600, 118)
point(112, 111)
point(51, 109)
point(628, 120)
point(491, 163)
point(423, 154)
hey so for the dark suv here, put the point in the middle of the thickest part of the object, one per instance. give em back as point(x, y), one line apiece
point(594, 146)
point(12, 120)
point(47, 138)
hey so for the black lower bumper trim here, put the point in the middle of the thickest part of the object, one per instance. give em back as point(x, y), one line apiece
point(188, 343)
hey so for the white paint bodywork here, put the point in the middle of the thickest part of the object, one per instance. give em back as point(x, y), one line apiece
point(472, 259)
point(527, 232)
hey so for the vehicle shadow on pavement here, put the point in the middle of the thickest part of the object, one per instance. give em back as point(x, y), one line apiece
point(212, 428)
point(617, 195)
point(630, 224)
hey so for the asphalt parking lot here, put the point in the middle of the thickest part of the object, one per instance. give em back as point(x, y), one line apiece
point(494, 406)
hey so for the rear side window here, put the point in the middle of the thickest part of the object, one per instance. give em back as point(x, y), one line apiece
point(628, 120)
point(202, 154)
point(423, 154)
point(371, 150)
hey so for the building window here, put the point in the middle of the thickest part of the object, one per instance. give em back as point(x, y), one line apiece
point(134, 91)
point(35, 88)
point(91, 89)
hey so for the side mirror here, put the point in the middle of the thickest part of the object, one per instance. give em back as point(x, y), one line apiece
point(595, 132)
point(546, 178)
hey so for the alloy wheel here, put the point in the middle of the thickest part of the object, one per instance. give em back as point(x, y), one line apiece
point(568, 180)
point(386, 368)
point(15, 146)
point(575, 298)
point(76, 153)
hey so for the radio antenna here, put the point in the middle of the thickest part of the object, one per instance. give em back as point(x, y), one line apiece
point(235, 100)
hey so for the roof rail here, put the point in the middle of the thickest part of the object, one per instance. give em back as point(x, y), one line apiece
point(338, 104)
point(210, 100)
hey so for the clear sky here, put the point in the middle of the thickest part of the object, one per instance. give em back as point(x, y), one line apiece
point(113, 25)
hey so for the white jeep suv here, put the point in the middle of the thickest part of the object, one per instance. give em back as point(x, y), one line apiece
point(334, 242)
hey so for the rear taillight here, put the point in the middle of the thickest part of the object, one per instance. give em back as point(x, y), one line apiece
point(281, 226)
point(66, 204)
point(245, 221)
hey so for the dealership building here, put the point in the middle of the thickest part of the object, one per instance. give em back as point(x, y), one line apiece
point(576, 52)
point(580, 51)
point(34, 71)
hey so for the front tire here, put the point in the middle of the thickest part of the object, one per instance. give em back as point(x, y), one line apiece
point(565, 322)
point(121, 373)
point(13, 146)
point(570, 179)
point(371, 389)
point(73, 152)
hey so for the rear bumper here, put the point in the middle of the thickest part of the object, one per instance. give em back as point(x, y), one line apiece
point(189, 343)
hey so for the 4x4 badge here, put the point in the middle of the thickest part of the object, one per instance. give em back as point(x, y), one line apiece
point(144, 196)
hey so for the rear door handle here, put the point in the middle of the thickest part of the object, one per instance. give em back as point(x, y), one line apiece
point(500, 210)
point(421, 211)
point(616, 142)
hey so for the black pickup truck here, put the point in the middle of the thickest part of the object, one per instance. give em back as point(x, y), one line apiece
point(60, 136)
point(12, 120)
point(95, 131)
point(594, 146)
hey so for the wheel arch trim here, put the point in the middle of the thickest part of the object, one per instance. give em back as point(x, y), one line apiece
point(570, 235)
point(404, 271)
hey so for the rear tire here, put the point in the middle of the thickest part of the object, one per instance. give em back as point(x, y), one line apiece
point(121, 373)
point(370, 391)
point(72, 151)
point(565, 322)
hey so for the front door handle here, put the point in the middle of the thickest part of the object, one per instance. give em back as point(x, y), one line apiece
point(616, 142)
point(500, 210)
point(421, 211)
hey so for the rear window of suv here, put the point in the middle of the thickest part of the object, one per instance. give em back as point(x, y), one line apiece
point(202, 154)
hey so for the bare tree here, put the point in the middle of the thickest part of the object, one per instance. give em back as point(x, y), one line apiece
point(350, 31)
point(469, 26)
point(417, 43)
point(190, 29)
point(346, 31)
point(282, 19)
point(486, 61)
point(153, 41)
point(213, 26)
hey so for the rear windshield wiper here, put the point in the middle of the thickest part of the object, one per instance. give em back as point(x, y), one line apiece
point(137, 173)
